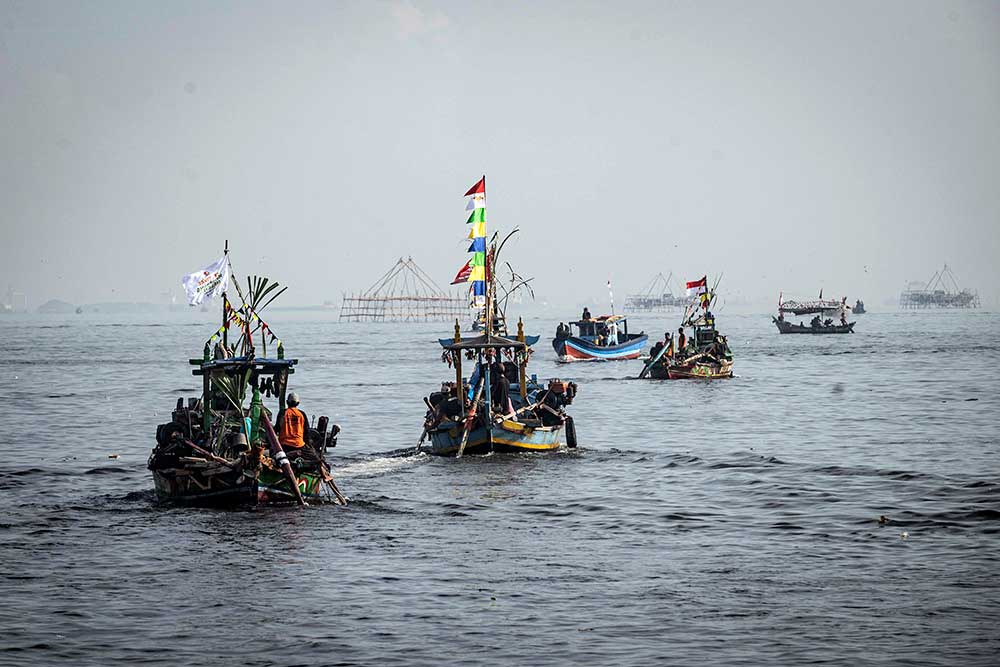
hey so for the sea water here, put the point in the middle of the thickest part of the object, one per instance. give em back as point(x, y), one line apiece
point(729, 522)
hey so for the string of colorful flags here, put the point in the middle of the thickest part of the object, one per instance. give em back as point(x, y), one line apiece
point(235, 316)
point(474, 270)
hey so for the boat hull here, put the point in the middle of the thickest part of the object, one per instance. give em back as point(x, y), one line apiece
point(789, 328)
point(694, 371)
point(578, 349)
point(504, 437)
point(220, 486)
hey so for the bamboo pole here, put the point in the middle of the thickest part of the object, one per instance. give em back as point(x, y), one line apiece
point(279, 455)
point(522, 362)
point(470, 418)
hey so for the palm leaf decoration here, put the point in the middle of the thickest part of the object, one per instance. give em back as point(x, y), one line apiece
point(234, 388)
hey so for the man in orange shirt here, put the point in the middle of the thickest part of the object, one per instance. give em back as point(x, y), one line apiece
point(292, 426)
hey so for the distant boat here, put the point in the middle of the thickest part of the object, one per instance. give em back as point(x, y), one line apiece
point(590, 343)
point(786, 327)
point(705, 356)
point(820, 306)
point(859, 307)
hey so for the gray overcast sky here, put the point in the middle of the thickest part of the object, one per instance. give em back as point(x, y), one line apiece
point(793, 145)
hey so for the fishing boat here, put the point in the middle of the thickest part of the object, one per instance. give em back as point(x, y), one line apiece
point(498, 408)
point(604, 338)
point(217, 452)
point(859, 307)
point(814, 327)
point(705, 356)
point(823, 307)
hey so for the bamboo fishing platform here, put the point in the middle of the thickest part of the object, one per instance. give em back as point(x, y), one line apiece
point(405, 293)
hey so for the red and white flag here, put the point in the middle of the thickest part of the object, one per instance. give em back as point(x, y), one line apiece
point(463, 274)
point(697, 286)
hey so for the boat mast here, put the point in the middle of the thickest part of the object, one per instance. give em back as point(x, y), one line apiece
point(490, 319)
point(225, 306)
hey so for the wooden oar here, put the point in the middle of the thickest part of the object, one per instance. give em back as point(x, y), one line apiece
point(470, 418)
point(278, 454)
point(328, 478)
point(423, 435)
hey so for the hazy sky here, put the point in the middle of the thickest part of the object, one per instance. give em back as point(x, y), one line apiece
point(793, 145)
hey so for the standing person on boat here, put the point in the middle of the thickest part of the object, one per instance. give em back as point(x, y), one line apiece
point(612, 333)
point(292, 425)
point(681, 341)
point(670, 345)
point(500, 389)
point(586, 313)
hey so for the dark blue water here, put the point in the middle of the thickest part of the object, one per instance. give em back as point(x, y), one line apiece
point(731, 522)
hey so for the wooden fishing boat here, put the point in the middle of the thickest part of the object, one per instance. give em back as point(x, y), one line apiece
point(699, 366)
point(786, 327)
point(498, 407)
point(216, 452)
point(467, 416)
point(823, 307)
point(706, 357)
point(592, 340)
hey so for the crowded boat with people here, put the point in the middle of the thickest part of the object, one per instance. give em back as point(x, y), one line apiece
point(705, 354)
point(498, 407)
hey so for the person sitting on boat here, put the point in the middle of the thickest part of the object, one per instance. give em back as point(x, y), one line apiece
point(815, 322)
point(292, 425)
point(681, 342)
point(586, 313)
point(612, 333)
point(655, 350)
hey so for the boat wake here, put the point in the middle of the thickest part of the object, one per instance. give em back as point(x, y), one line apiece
point(381, 465)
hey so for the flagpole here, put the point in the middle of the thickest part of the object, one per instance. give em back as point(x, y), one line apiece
point(225, 306)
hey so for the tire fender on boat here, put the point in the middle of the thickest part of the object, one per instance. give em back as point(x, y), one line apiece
point(570, 433)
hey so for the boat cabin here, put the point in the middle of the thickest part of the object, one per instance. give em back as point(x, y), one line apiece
point(596, 328)
point(260, 376)
point(704, 331)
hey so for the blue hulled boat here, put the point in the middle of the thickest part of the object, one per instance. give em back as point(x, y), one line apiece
point(604, 338)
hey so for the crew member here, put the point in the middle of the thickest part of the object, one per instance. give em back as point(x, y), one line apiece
point(681, 341)
point(586, 313)
point(612, 333)
point(500, 389)
point(292, 425)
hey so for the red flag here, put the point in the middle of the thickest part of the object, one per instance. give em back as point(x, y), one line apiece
point(463, 274)
point(698, 283)
point(477, 188)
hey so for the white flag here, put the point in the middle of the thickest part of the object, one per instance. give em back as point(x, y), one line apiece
point(477, 200)
point(210, 281)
